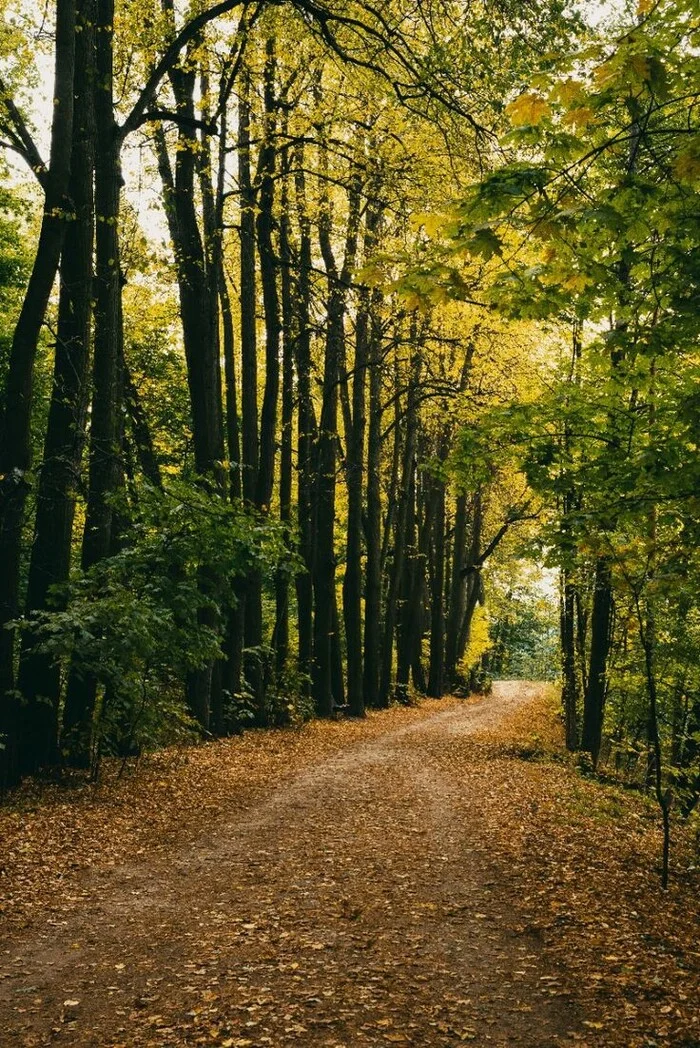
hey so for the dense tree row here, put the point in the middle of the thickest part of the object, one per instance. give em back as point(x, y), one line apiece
point(287, 528)
point(595, 221)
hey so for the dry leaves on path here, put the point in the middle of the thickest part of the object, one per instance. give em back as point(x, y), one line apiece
point(431, 876)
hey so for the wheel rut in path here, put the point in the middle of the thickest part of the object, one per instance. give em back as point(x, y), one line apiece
point(357, 905)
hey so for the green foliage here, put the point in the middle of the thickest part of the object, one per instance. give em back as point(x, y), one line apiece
point(14, 269)
point(592, 221)
point(523, 623)
point(135, 621)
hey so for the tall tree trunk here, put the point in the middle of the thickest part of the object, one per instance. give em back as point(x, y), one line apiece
point(324, 511)
point(15, 425)
point(39, 674)
point(324, 552)
point(305, 429)
point(355, 438)
point(418, 606)
point(402, 520)
point(198, 285)
point(268, 281)
point(268, 417)
point(141, 431)
point(248, 300)
point(601, 624)
point(568, 659)
point(104, 419)
point(373, 519)
point(475, 585)
point(232, 670)
point(253, 623)
point(405, 612)
point(289, 337)
point(436, 673)
point(455, 612)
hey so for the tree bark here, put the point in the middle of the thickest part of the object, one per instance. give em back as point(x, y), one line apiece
point(436, 672)
point(455, 612)
point(324, 552)
point(601, 623)
point(568, 658)
point(373, 519)
point(355, 438)
point(15, 425)
point(285, 489)
point(104, 419)
point(253, 623)
point(402, 520)
point(49, 565)
point(306, 429)
point(268, 281)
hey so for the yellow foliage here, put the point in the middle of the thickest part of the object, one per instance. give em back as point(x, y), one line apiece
point(580, 117)
point(431, 223)
point(640, 67)
point(568, 91)
point(479, 640)
point(528, 110)
point(686, 166)
point(605, 73)
point(576, 282)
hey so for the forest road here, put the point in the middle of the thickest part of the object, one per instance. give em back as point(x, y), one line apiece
point(356, 905)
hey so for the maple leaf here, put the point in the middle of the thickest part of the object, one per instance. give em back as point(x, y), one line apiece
point(528, 110)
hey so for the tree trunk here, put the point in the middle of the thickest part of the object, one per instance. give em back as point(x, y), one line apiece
point(249, 386)
point(324, 512)
point(289, 337)
point(104, 418)
point(474, 589)
point(39, 674)
point(568, 659)
point(15, 425)
point(401, 526)
point(305, 429)
point(141, 431)
point(373, 520)
point(352, 583)
point(268, 280)
point(436, 673)
point(405, 612)
point(601, 623)
point(455, 612)
point(249, 360)
point(326, 648)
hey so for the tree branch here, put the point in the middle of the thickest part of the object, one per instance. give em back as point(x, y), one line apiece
point(21, 140)
point(168, 59)
point(208, 126)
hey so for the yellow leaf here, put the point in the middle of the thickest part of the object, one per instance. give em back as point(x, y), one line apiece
point(576, 282)
point(432, 224)
point(640, 66)
point(528, 110)
point(580, 117)
point(568, 91)
point(686, 166)
point(605, 73)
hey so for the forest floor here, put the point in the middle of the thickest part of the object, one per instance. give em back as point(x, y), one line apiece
point(430, 876)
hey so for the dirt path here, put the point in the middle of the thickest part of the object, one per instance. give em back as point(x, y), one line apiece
point(357, 905)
